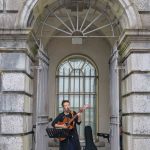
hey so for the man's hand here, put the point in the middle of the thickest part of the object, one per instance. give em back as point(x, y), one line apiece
point(64, 126)
point(61, 126)
point(79, 117)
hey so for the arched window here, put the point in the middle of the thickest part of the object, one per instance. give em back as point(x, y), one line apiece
point(77, 81)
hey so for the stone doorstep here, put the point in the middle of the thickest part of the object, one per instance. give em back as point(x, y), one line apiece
point(56, 144)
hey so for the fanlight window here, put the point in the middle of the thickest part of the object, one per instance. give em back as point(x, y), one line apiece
point(77, 82)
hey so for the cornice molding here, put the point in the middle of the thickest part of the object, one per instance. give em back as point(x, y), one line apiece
point(130, 36)
point(13, 34)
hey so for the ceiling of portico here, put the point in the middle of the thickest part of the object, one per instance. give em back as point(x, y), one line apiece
point(81, 18)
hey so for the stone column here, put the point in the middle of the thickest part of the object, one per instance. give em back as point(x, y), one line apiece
point(134, 48)
point(16, 91)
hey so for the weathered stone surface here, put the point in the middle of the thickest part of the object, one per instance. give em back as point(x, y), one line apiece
point(141, 143)
point(136, 83)
point(15, 124)
point(135, 142)
point(136, 124)
point(145, 17)
point(136, 104)
point(7, 20)
point(17, 61)
point(136, 62)
point(133, 43)
point(15, 103)
point(13, 4)
point(16, 143)
point(16, 82)
point(142, 5)
point(1, 5)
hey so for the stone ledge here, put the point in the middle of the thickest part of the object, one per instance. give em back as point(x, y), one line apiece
point(133, 39)
point(56, 144)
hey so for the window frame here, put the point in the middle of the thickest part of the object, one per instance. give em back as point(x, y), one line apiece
point(91, 62)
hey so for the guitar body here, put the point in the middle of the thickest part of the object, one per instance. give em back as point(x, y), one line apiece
point(69, 122)
point(66, 122)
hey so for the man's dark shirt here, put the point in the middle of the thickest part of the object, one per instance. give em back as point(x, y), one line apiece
point(72, 141)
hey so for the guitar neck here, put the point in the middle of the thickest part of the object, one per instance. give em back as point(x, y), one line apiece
point(74, 117)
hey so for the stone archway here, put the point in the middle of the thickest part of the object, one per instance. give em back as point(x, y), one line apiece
point(130, 17)
point(127, 19)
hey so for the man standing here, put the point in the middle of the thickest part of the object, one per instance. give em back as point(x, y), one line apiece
point(72, 141)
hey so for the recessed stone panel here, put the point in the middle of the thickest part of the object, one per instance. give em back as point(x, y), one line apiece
point(145, 18)
point(7, 20)
point(1, 5)
point(136, 83)
point(16, 143)
point(136, 104)
point(15, 124)
point(15, 103)
point(13, 4)
point(17, 82)
point(139, 125)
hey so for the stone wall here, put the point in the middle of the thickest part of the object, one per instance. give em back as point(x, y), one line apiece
point(9, 10)
point(143, 7)
point(16, 90)
point(135, 51)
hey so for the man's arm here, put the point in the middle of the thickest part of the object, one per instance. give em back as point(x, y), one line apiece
point(55, 123)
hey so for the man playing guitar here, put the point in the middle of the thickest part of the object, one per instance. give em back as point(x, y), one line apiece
point(68, 119)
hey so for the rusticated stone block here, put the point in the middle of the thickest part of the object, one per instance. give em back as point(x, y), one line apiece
point(136, 83)
point(15, 124)
point(136, 62)
point(16, 143)
point(135, 142)
point(17, 61)
point(139, 125)
point(16, 82)
point(136, 104)
point(15, 103)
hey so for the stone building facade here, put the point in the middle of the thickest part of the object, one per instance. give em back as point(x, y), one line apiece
point(36, 35)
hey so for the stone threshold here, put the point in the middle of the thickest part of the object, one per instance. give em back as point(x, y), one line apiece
point(56, 144)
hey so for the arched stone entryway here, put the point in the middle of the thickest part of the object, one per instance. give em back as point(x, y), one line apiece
point(124, 15)
point(122, 12)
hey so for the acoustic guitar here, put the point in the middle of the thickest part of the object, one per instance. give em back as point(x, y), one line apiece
point(69, 122)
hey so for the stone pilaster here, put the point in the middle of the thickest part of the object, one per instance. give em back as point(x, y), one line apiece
point(134, 48)
point(16, 90)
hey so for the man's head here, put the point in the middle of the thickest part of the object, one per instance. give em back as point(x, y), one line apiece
point(66, 105)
